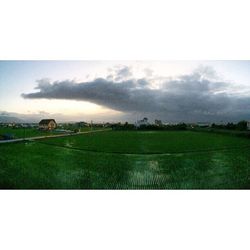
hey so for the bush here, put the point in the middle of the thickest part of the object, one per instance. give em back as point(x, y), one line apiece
point(242, 125)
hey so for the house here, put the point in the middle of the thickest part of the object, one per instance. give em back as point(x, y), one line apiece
point(203, 124)
point(158, 122)
point(143, 122)
point(47, 124)
point(248, 125)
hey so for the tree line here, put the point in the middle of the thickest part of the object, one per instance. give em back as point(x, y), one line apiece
point(242, 125)
point(128, 126)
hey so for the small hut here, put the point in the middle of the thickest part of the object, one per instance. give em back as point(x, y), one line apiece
point(47, 124)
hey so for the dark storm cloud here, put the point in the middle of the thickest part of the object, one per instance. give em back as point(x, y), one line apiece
point(193, 97)
point(123, 72)
point(119, 73)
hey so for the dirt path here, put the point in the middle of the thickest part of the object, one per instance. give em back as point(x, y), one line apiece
point(50, 136)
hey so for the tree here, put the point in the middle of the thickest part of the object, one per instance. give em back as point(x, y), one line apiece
point(230, 125)
point(242, 125)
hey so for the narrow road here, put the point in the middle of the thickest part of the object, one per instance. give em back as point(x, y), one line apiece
point(51, 136)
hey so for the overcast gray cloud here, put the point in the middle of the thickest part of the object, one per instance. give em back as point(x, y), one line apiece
point(199, 96)
point(37, 116)
point(29, 117)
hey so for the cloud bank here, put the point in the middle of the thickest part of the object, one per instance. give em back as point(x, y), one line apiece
point(199, 96)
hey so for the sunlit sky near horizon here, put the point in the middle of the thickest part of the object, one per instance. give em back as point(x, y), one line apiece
point(20, 77)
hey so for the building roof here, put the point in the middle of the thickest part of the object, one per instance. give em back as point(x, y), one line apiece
point(46, 121)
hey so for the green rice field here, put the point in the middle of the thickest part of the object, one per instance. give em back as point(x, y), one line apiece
point(24, 133)
point(31, 132)
point(128, 160)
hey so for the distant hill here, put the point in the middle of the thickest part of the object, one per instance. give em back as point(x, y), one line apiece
point(7, 119)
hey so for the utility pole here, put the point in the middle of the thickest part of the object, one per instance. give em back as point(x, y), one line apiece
point(24, 135)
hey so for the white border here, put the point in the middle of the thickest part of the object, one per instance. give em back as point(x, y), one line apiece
point(124, 220)
point(124, 30)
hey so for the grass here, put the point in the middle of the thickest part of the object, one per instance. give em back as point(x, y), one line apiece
point(27, 132)
point(32, 132)
point(188, 160)
point(145, 142)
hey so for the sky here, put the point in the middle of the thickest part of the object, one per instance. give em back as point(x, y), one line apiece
point(111, 91)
